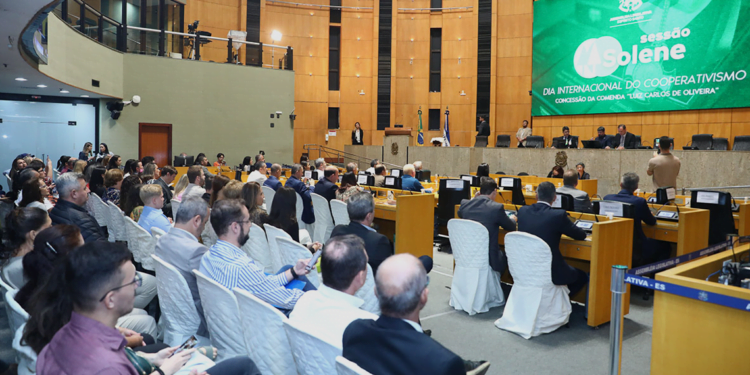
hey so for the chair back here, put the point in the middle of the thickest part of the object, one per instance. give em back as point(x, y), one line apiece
point(323, 219)
point(367, 294)
point(176, 302)
point(222, 318)
point(175, 206)
point(340, 214)
point(209, 237)
point(17, 315)
point(347, 367)
point(535, 141)
point(258, 250)
point(25, 356)
point(529, 259)
point(481, 141)
point(272, 233)
point(291, 251)
point(116, 228)
point(265, 338)
point(140, 243)
point(721, 144)
point(469, 241)
point(268, 193)
point(703, 141)
point(637, 141)
point(300, 208)
point(101, 211)
point(741, 143)
point(157, 233)
point(503, 140)
point(313, 355)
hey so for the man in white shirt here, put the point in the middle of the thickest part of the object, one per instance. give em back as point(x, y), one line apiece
point(258, 174)
point(373, 163)
point(327, 312)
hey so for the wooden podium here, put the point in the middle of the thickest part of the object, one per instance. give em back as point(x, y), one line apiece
point(395, 145)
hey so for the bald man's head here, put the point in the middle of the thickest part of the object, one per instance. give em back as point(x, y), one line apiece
point(400, 284)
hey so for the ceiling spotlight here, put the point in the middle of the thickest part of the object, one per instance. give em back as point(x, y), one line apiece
point(21, 79)
point(5, 136)
point(84, 96)
point(41, 86)
point(64, 91)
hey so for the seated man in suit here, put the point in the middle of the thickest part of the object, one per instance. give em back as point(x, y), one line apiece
point(491, 214)
point(181, 249)
point(327, 311)
point(623, 140)
point(645, 250)
point(361, 210)
point(273, 180)
point(295, 182)
point(602, 137)
point(196, 179)
point(549, 224)
point(567, 140)
point(326, 187)
point(581, 198)
point(380, 175)
point(408, 181)
point(168, 173)
point(395, 344)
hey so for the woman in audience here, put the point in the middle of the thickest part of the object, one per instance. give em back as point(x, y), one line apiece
point(252, 194)
point(556, 172)
point(103, 151)
point(103, 162)
point(232, 190)
point(483, 170)
point(219, 182)
point(61, 163)
point(96, 183)
point(134, 205)
point(179, 187)
point(35, 192)
point(284, 212)
point(18, 165)
point(582, 175)
point(219, 160)
point(247, 163)
point(113, 182)
point(130, 167)
point(86, 154)
point(348, 187)
point(80, 166)
point(114, 162)
point(20, 228)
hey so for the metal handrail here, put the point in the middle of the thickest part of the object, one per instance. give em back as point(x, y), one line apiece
point(205, 37)
point(318, 5)
point(715, 188)
point(339, 153)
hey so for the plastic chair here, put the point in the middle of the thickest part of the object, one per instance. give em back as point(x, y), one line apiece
point(347, 367)
point(535, 305)
point(25, 356)
point(116, 227)
point(268, 193)
point(222, 318)
point(272, 233)
point(703, 141)
point(323, 219)
point(300, 208)
point(157, 233)
point(340, 214)
point(181, 319)
point(312, 355)
point(503, 140)
point(291, 251)
point(367, 294)
point(209, 236)
point(265, 338)
point(175, 206)
point(140, 243)
point(101, 210)
point(17, 316)
point(475, 287)
point(257, 249)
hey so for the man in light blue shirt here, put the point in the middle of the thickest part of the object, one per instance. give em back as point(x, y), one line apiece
point(228, 265)
point(152, 215)
point(408, 181)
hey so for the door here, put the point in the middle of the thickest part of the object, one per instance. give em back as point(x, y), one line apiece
point(155, 140)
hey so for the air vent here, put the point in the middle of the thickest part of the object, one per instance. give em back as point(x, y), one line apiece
point(94, 83)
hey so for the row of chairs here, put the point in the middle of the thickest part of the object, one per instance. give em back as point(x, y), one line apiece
point(698, 142)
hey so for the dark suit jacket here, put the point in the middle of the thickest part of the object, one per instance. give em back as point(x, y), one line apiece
point(614, 142)
point(307, 211)
point(492, 215)
point(391, 346)
point(272, 182)
point(642, 214)
point(361, 137)
point(167, 209)
point(326, 188)
point(378, 246)
point(70, 213)
point(550, 224)
point(484, 129)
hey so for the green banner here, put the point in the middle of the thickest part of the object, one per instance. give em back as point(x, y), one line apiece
point(611, 56)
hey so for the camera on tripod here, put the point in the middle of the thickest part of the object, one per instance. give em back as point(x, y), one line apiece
point(193, 29)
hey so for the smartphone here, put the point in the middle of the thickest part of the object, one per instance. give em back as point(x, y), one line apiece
point(314, 260)
point(189, 344)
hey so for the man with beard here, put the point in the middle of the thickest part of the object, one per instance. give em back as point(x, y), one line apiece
point(227, 264)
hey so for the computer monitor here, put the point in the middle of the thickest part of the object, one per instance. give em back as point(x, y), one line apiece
point(317, 175)
point(513, 184)
point(565, 202)
point(397, 172)
point(366, 180)
point(423, 175)
point(665, 194)
point(719, 206)
point(473, 180)
point(591, 144)
point(618, 209)
point(452, 192)
point(393, 182)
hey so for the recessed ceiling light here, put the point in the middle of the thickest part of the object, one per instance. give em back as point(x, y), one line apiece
point(64, 92)
point(41, 86)
point(5, 136)
point(21, 79)
point(84, 96)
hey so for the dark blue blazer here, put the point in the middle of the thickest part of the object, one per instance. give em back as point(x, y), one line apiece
point(550, 224)
point(272, 182)
point(391, 346)
point(307, 211)
point(492, 215)
point(326, 189)
point(410, 183)
point(642, 214)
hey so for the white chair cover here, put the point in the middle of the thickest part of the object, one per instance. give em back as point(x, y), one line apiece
point(265, 338)
point(17, 316)
point(340, 215)
point(323, 219)
point(140, 243)
point(209, 236)
point(175, 206)
point(302, 225)
point(222, 317)
point(291, 252)
point(535, 305)
point(272, 233)
point(268, 193)
point(101, 211)
point(116, 227)
point(157, 233)
point(347, 367)
point(367, 294)
point(7, 279)
point(24, 354)
point(475, 287)
point(314, 356)
point(179, 314)
point(258, 250)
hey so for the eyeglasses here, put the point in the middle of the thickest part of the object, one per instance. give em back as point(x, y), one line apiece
point(137, 280)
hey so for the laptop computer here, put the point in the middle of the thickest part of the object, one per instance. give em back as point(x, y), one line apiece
point(591, 144)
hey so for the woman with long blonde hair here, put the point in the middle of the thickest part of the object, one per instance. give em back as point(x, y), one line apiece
point(179, 188)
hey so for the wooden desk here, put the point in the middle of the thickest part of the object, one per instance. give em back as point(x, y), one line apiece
point(225, 171)
point(591, 187)
point(690, 233)
point(695, 337)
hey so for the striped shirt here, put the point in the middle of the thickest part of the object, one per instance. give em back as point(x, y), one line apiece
point(229, 266)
